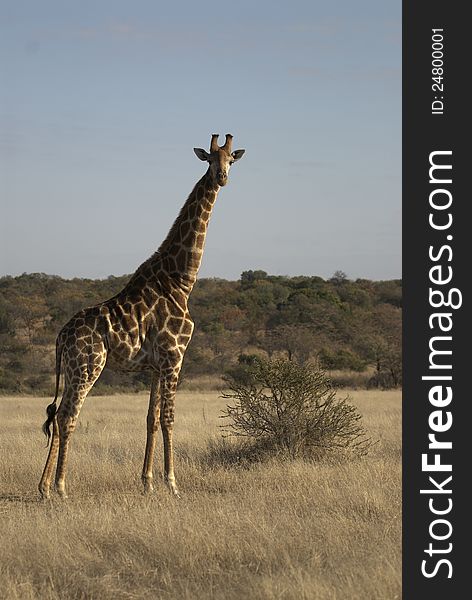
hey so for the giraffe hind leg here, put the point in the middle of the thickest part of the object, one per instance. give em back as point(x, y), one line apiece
point(83, 366)
point(45, 483)
point(67, 415)
point(66, 421)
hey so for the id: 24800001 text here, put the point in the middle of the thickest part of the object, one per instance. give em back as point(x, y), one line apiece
point(437, 71)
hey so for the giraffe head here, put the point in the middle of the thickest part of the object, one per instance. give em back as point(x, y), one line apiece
point(219, 158)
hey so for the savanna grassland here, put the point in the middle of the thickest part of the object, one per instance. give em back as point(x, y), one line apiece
point(274, 530)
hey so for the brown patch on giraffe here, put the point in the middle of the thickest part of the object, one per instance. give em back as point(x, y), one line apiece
point(118, 311)
point(128, 323)
point(81, 344)
point(168, 264)
point(207, 206)
point(192, 211)
point(200, 227)
point(161, 314)
point(96, 337)
point(187, 327)
point(193, 259)
point(147, 272)
point(200, 241)
point(113, 338)
point(177, 311)
point(82, 331)
point(162, 306)
point(123, 335)
point(184, 229)
point(174, 325)
point(102, 328)
point(179, 298)
point(149, 297)
point(166, 339)
point(94, 311)
point(167, 369)
point(200, 193)
point(156, 271)
point(187, 241)
point(140, 309)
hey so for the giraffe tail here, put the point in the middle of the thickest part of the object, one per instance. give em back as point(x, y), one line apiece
point(52, 408)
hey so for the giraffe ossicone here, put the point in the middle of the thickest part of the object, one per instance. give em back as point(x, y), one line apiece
point(145, 327)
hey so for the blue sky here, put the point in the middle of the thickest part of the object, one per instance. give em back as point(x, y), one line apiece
point(102, 102)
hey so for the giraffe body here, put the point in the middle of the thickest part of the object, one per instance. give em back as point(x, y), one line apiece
point(145, 327)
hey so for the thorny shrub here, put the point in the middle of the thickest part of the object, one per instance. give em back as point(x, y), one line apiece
point(284, 407)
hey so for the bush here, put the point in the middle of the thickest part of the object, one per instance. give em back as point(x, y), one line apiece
point(341, 360)
point(290, 408)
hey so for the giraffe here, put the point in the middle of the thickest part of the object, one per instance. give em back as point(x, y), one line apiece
point(146, 326)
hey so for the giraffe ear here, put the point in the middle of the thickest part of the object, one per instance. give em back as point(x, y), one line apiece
point(201, 153)
point(237, 154)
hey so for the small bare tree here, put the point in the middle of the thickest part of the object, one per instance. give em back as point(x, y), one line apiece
point(284, 406)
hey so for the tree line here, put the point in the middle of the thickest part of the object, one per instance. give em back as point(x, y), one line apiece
point(346, 327)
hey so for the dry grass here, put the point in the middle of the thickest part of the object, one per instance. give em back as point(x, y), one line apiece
point(278, 530)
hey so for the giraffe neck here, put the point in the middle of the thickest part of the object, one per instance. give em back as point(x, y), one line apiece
point(182, 251)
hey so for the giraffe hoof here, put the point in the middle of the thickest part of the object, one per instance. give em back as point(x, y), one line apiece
point(175, 492)
point(148, 487)
point(62, 493)
point(44, 493)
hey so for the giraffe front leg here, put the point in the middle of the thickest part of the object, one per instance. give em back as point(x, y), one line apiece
point(167, 425)
point(152, 426)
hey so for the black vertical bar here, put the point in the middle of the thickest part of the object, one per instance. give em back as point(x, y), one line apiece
point(426, 131)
